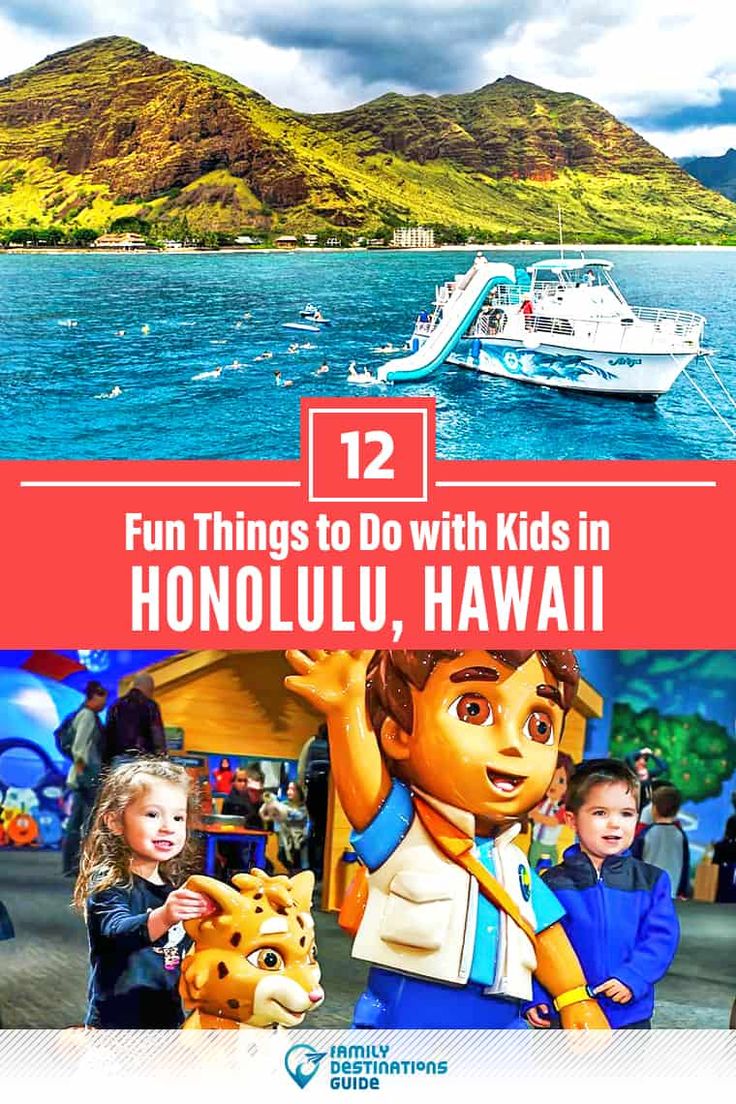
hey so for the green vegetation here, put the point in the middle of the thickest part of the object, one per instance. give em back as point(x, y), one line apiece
point(700, 753)
point(108, 133)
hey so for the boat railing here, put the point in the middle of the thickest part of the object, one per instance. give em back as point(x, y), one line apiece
point(495, 323)
point(504, 295)
point(612, 334)
point(540, 324)
point(510, 295)
point(677, 321)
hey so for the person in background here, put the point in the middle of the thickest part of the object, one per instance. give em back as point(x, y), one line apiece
point(724, 851)
point(84, 774)
point(246, 796)
point(244, 800)
point(223, 777)
point(291, 821)
point(647, 767)
point(619, 914)
point(664, 843)
point(730, 832)
point(6, 931)
point(527, 309)
point(548, 818)
point(724, 856)
point(6, 924)
point(134, 725)
point(313, 772)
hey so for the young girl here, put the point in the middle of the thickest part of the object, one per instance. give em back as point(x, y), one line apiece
point(136, 853)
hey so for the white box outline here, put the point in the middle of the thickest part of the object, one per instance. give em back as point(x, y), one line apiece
point(421, 410)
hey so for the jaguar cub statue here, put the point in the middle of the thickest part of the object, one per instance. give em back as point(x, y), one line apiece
point(253, 962)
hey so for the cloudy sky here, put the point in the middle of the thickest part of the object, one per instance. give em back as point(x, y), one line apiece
point(667, 67)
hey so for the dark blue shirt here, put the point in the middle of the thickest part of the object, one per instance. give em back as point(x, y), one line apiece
point(133, 982)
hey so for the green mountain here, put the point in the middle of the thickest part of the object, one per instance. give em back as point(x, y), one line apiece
point(718, 173)
point(109, 129)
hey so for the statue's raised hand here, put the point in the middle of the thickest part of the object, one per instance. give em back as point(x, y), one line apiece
point(327, 679)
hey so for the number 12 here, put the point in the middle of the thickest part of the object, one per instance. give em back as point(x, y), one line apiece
point(376, 467)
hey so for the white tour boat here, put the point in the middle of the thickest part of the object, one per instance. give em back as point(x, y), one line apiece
point(559, 323)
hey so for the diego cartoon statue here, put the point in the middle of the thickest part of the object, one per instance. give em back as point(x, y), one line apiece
point(437, 756)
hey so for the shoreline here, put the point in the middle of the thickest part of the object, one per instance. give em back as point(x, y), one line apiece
point(519, 247)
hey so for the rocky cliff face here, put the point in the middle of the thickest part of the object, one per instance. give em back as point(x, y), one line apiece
point(508, 129)
point(125, 117)
point(108, 127)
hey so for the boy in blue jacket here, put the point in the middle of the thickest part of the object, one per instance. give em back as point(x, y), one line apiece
point(619, 913)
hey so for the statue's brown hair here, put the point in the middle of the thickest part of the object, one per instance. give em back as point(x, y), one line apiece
point(391, 674)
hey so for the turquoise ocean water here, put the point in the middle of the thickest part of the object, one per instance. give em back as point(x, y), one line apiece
point(192, 307)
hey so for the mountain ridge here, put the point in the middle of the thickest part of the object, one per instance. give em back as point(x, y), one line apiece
point(718, 173)
point(108, 128)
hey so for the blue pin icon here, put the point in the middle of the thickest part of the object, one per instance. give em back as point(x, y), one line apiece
point(302, 1062)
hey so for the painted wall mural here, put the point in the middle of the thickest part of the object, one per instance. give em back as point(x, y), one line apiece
point(682, 703)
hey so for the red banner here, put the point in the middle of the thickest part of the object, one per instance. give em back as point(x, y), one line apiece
point(367, 540)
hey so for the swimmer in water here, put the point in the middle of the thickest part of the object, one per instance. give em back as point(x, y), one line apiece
point(214, 373)
point(110, 394)
point(281, 382)
point(323, 368)
point(145, 328)
point(120, 333)
point(354, 376)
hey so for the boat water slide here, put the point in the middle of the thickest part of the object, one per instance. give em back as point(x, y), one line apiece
point(457, 314)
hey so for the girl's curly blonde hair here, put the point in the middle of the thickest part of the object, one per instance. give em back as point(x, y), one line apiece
point(106, 857)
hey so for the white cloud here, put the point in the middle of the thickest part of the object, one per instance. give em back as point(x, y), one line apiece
point(21, 47)
point(693, 141)
point(638, 60)
point(657, 57)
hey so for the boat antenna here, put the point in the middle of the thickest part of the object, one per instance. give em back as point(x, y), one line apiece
point(559, 223)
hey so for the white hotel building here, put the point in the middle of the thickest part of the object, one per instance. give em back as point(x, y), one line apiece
point(413, 237)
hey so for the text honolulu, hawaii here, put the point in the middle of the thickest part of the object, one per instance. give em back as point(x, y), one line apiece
point(367, 574)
